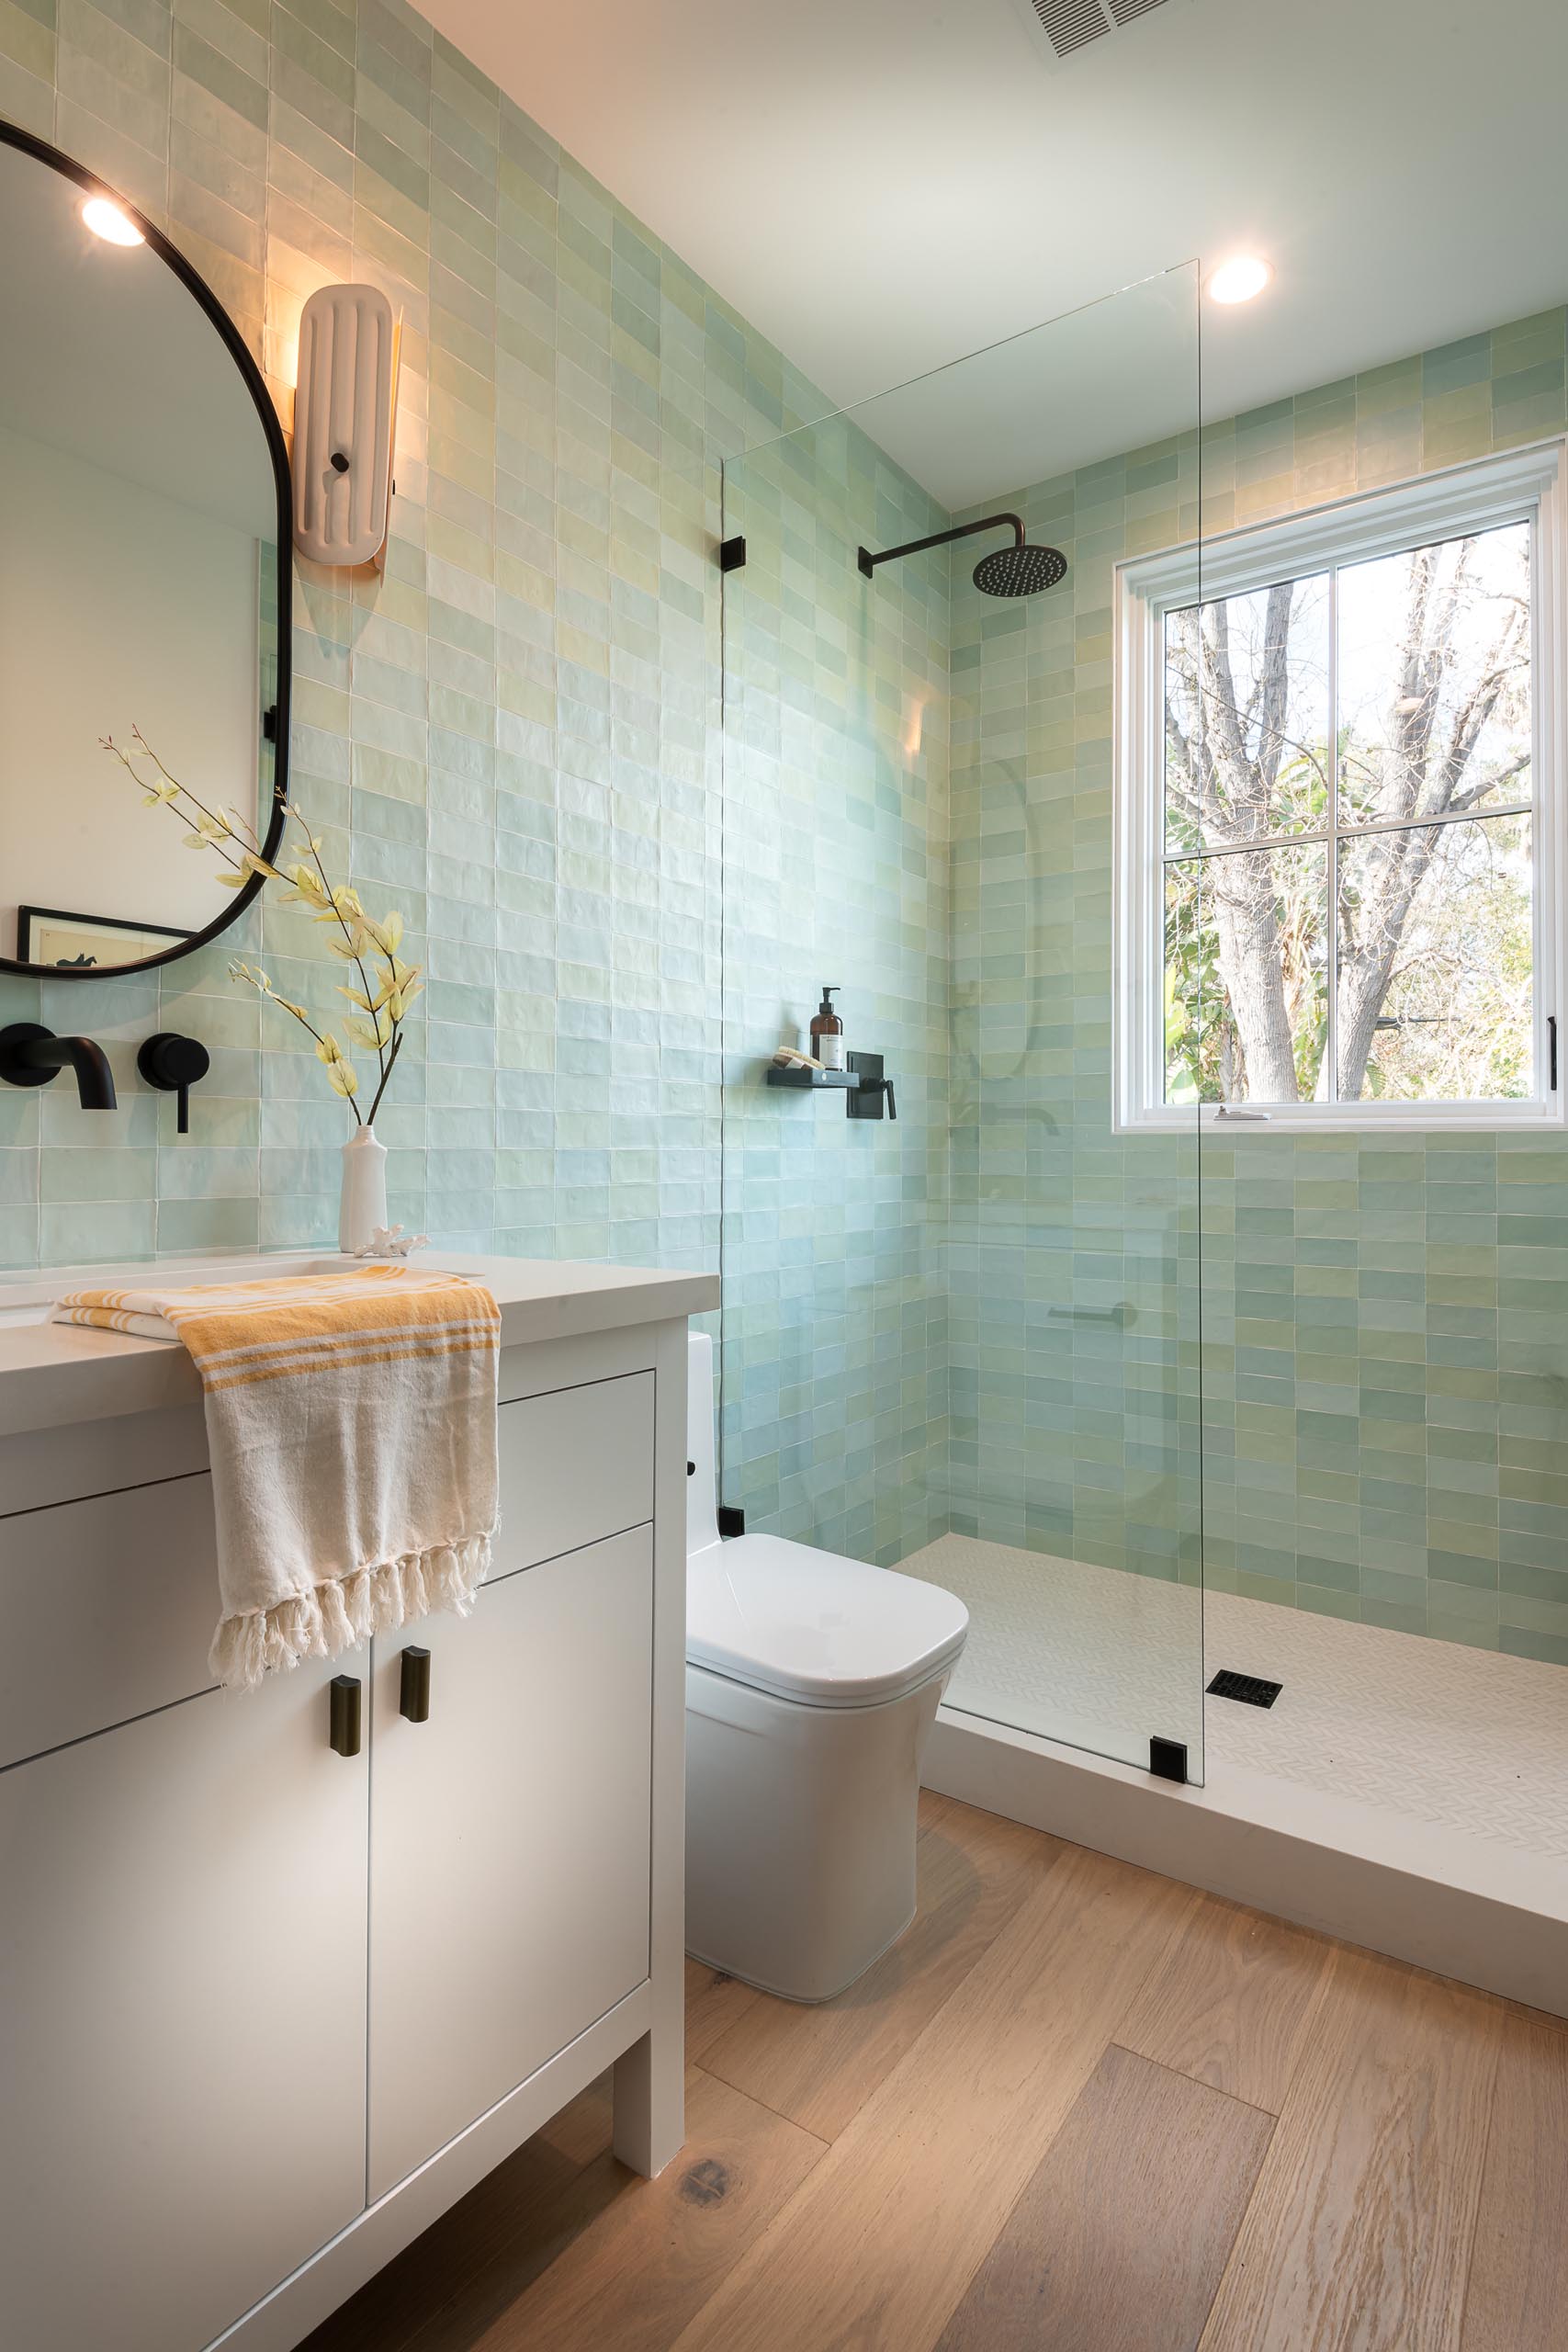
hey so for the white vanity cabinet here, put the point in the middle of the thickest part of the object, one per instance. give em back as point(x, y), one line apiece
point(509, 1842)
point(182, 2019)
point(266, 2009)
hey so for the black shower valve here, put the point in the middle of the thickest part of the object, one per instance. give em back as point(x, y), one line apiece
point(173, 1065)
point(865, 1100)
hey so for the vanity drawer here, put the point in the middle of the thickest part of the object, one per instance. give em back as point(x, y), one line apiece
point(107, 1605)
point(576, 1465)
point(107, 1611)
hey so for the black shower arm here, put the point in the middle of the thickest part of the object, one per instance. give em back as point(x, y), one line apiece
point(868, 562)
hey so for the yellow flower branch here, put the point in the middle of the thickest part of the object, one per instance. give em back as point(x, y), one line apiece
point(359, 938)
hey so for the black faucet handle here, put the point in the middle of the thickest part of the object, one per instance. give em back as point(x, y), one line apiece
point(174, 1065)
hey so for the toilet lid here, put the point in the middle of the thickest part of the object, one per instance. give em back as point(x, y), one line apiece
point(815, 1626)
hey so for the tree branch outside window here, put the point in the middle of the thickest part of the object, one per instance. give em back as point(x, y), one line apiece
point(1344, 736)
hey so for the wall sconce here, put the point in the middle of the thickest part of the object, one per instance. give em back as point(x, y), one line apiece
point(345, 409)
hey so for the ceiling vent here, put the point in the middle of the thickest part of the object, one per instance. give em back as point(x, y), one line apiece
point(1072, 25)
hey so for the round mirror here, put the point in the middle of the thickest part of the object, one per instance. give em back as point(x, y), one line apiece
point(144, 584)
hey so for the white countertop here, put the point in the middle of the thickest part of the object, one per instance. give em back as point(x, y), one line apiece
point(53, 1373)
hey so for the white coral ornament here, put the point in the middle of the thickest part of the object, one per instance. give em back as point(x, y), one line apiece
point(392, 1242)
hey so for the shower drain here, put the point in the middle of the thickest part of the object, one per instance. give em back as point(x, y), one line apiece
point(1250, 1689)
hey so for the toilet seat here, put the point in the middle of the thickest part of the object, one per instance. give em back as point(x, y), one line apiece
point(814, 1627)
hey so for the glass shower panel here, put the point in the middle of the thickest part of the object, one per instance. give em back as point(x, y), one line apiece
point(834, 1370)
point(964, 1342)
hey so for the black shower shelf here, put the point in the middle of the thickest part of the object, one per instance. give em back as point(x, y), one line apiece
point(865, 1087)
point(814, 1081)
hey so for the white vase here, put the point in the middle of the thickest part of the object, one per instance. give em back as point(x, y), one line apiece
point(364, 1203)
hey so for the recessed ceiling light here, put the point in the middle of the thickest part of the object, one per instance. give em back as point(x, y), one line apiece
point(107, 221)
point(1240, 280)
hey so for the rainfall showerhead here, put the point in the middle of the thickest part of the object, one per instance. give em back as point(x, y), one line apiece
point(1017, 570)
point(1020, 570)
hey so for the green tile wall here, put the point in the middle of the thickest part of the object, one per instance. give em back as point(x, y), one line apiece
point(514, 733)
point(1385, 1346)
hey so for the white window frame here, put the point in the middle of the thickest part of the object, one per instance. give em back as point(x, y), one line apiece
point(1528, 485)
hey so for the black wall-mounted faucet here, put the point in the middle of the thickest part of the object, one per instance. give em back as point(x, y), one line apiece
point(31, 1056)
point(173, 1065)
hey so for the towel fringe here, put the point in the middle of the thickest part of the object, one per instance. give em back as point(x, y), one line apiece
point(345, 1612)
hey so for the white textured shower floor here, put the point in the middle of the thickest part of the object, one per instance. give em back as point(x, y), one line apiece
point(1463, 1739)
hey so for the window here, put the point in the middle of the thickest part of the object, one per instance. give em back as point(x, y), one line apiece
point(1338, 819)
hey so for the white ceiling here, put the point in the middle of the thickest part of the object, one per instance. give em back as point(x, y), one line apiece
point(884, 186)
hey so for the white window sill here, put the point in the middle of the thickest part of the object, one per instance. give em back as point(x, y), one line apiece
point(1365, 1119)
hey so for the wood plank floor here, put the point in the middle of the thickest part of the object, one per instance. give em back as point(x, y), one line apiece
point(1079, 2108)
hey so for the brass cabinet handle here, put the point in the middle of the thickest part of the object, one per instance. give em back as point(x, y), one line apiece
point(345, 1718)
point(414, 1697)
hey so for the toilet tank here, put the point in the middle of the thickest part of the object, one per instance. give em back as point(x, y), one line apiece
point(702, 1487)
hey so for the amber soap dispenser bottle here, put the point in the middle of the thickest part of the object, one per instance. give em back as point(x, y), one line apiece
point(827, 1033)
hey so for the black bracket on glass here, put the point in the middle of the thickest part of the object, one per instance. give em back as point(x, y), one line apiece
point(1167, 1759)
point(173, 1065)
point(732, 1519)
point(731, 554)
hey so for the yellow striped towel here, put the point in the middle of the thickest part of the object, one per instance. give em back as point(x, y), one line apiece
point(351, 1422)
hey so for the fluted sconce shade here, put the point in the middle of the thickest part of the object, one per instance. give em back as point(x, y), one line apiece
point(344, 416)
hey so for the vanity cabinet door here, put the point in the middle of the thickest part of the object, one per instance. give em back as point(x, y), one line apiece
point(509, 1841)
point(182, 2017)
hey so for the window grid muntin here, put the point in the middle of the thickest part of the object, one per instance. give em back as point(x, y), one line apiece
point(1330, 837)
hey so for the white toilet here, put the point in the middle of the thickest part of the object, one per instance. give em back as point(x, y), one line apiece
point(811, 1683)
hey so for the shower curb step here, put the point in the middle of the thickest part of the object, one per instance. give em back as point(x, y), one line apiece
point(1436, 1898)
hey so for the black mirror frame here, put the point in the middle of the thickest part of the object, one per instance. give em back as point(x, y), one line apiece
point(251, 376)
